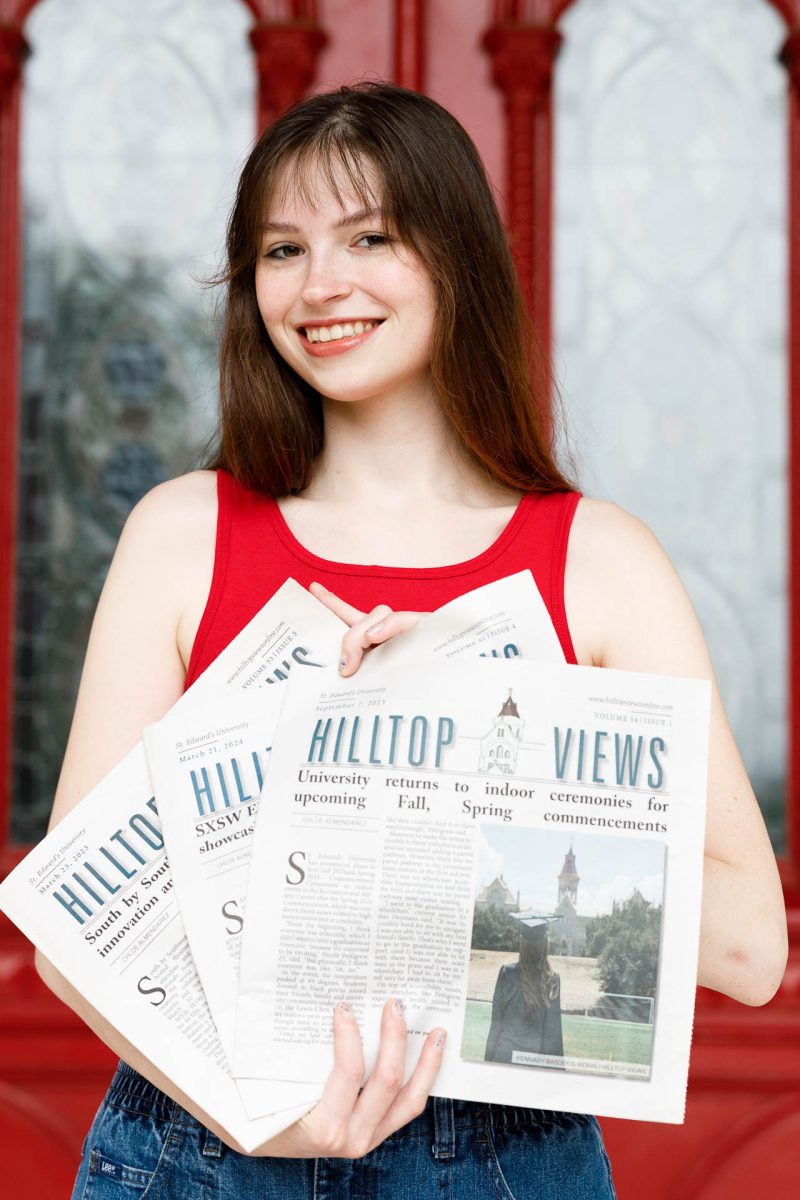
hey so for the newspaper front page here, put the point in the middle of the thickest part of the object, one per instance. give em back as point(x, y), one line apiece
point(207, 766)
point(512, 848)
point(97, 894)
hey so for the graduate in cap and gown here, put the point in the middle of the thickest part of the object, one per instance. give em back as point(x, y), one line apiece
point(526, 1008)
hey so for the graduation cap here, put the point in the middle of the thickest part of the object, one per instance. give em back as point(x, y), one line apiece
point(534, 926)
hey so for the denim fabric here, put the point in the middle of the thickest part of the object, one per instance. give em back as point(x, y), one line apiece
point(143, 1146)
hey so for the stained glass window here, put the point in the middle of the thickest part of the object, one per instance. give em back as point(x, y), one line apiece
point(670, 328)
point(136, 116)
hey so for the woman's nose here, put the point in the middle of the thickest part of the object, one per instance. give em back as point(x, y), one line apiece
point(325, 280)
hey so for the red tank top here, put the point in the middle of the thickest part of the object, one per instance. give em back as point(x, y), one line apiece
point(256, 552)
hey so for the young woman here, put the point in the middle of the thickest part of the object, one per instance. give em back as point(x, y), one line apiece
point(526, 1006)
point(378, 407)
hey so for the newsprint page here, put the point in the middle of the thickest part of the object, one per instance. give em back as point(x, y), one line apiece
point(515, 850)
point(100, 897)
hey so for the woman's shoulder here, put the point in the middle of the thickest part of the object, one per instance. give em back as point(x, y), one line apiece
point(622, 593)
point(178, 502)
point(600, 528)
point(170, 538)
point(173, 522)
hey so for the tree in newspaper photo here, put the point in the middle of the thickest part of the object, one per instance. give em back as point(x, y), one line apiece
point(570, 984)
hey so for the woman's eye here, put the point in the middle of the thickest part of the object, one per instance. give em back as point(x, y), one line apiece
point(372, 240)
point(284, 252)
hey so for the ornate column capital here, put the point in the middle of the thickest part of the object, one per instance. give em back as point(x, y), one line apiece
point(523, 57)
point(13, 52)
point(286, 61)
point(789, 56)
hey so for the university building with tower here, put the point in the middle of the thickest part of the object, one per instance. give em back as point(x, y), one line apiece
point(569, 934)
point(570, 931)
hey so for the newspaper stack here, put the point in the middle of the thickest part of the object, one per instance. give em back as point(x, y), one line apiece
point(468, 824)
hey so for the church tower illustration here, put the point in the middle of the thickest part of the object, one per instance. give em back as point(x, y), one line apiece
point(500, 746)
point(569, 879)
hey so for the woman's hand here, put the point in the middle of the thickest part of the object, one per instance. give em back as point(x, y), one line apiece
point(350, 1121)
point(366, 629)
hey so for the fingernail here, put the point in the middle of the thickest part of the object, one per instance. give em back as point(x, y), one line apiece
point(319, 585)
point(399, 1008)
point(375, 629)
point(439, 1039)
point(346, 1008)
point(343, 662)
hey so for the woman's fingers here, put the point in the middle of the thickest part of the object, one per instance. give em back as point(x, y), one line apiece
point(366, 629)
point(340, 608)
point(385, 1082)
point(412, 1098)
point(350, 1121)
point(379, 626)
point(359, 638)
point(392, 624)
point(326, 1128)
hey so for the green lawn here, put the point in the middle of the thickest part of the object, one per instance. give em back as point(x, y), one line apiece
point(584, 1037)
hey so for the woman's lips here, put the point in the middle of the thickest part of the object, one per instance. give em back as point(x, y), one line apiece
point(341, 346)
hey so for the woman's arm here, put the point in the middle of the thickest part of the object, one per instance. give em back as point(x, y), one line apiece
point(627, 608)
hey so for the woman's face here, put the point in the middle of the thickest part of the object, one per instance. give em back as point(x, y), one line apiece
point(349, 308)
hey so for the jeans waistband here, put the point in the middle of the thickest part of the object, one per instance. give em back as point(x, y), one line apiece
point(441, 1120)
point(134, 1093)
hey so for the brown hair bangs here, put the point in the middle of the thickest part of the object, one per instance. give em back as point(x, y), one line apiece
point(486, 361)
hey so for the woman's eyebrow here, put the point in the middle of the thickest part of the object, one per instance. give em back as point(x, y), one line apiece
point(351, 218)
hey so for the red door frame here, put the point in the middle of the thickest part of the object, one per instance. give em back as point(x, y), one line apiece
point(740, 1057)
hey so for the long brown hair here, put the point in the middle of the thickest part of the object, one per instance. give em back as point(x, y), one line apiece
point(540, 983)
point(486, 362)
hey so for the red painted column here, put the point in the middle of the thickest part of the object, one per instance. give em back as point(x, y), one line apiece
point(790, 58)
point(286, 62)
point(523, 57)
point(409, 44)
point(13, 52)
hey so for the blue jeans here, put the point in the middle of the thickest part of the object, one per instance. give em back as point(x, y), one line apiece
point(143, 1146)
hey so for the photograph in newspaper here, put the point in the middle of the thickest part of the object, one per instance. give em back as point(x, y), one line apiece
point(564, 953)
point(379, 794)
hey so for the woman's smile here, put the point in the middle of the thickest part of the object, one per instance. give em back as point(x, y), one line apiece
point(322, 339)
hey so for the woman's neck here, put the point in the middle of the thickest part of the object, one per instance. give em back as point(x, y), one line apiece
point(395, 455)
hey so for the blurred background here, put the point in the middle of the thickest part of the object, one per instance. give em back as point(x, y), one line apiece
point(646, 158)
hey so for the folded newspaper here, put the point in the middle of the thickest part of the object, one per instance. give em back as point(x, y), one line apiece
point(99, 896)
point(513, 848)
